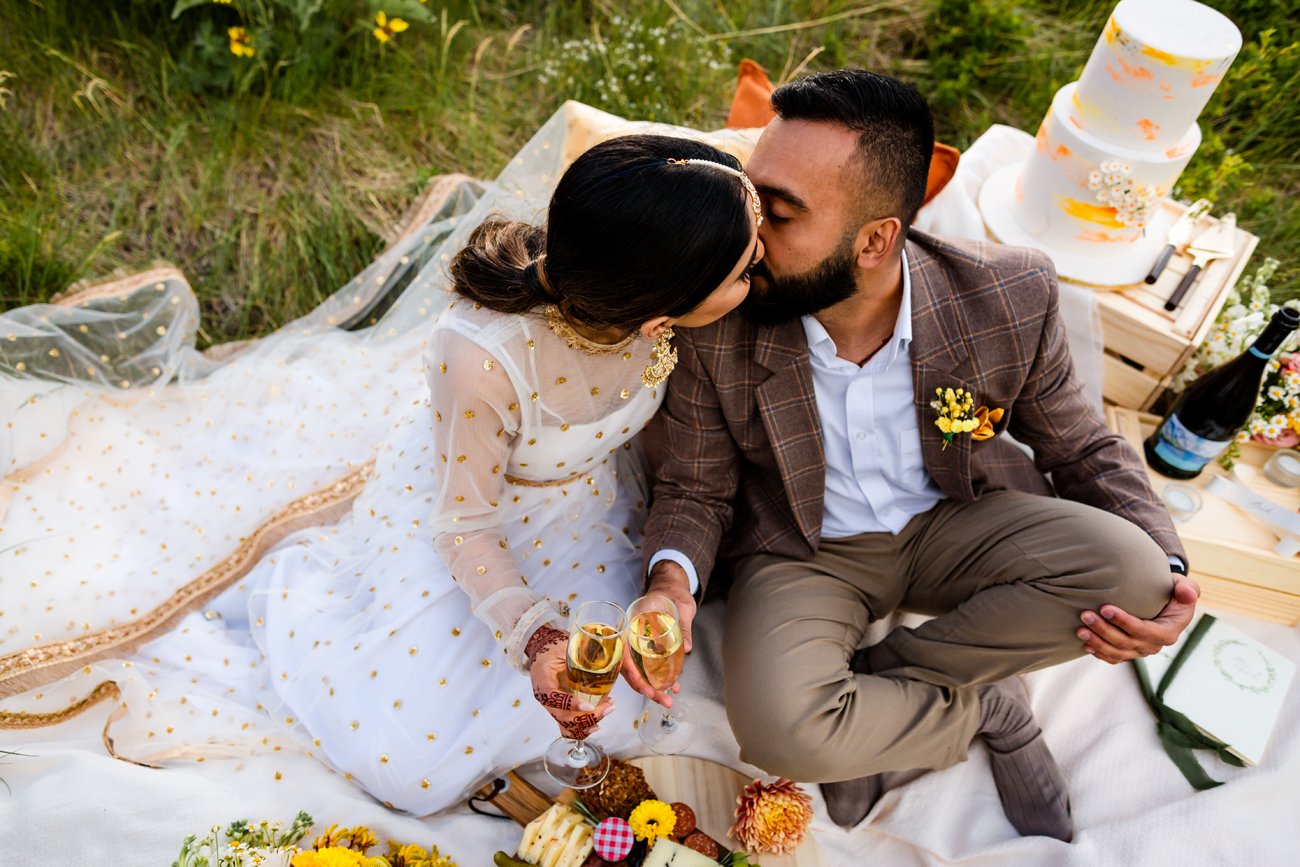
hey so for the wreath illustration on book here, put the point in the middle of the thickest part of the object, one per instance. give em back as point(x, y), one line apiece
point(1240, 665)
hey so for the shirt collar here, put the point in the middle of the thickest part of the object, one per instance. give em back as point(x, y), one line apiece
point(822, 347)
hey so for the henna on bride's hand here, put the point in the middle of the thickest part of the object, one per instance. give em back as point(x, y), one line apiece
point(558, 700)
point(580, 726)
point(543, 639)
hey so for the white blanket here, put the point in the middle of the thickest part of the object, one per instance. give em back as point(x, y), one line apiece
point(73, 804)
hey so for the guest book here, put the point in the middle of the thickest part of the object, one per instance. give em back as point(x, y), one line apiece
point(1216, 688)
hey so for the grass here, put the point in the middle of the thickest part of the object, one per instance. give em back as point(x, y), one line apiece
point(129, 136)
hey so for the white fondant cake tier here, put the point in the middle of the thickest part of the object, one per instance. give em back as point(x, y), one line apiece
point(1153, 69)
point(1052, 199)
point(1095, 264)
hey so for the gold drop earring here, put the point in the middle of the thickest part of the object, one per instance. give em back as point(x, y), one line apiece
point(663, 358)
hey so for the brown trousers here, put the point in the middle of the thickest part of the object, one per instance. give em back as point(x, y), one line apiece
point(1005, 577)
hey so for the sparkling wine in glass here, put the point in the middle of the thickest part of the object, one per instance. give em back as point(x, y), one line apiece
point(595, 654)
point(654, 638)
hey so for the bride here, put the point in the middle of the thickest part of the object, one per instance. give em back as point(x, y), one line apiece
point(411, 645)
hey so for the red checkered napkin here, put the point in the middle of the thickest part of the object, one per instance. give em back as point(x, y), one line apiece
point(613, 839)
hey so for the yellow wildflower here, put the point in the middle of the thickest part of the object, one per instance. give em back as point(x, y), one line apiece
point(332, 835)
point(334, 856)
point(388, 27)
point(362, 839)
point(241, 42)
point(222, 2)
point(651, 819)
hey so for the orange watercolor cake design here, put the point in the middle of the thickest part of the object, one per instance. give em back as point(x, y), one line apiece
point(1135, 105)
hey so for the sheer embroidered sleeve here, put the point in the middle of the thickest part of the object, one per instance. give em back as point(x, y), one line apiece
point(475, 419)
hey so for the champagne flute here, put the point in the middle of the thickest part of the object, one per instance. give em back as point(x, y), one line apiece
point(654, 638)
point(595, 655)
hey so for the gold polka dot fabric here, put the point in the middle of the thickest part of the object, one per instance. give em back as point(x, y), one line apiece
point(473, 468)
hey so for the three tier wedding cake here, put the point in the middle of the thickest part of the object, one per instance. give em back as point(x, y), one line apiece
point(1114, 142)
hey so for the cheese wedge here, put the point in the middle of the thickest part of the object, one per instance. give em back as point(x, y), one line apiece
point(557, 838)
point(577, 847)
point(666, 853)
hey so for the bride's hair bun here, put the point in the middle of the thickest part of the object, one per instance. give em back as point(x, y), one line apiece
point(629, 236)
point(498, 266)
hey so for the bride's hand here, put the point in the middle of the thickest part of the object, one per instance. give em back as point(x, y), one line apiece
point(577, 719)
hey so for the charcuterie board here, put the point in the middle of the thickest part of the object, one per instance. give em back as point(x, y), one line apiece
point(710, 789)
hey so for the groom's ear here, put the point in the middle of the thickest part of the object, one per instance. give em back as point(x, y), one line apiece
point(652, 328)
point(875, 241)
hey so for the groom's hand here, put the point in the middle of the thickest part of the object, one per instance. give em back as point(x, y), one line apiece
point(666, 579)
point(669, 579)
point(1113, 635)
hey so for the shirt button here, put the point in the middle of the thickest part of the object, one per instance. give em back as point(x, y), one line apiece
point(862, 435)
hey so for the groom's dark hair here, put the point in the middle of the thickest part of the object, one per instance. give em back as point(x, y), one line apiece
point(895, 133)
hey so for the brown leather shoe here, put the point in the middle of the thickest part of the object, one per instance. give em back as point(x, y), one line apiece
point(848, 802)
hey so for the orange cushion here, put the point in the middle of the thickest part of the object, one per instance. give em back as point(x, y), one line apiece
point(752, 107)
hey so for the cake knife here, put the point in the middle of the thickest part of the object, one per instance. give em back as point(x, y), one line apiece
point(1219, 241)
point(1179, 234)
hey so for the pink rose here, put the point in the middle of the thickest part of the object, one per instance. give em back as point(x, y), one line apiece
point(1291, 362)
point(1287, 439)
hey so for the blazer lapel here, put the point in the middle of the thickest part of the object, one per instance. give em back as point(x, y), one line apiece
point(787, 404)
point(939, 361)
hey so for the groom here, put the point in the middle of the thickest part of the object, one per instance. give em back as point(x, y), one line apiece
point(801, 446)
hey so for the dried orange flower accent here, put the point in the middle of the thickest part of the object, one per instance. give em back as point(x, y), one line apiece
point(987, 418)
point(772, 818)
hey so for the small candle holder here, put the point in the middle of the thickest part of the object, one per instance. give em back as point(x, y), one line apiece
point(1283, 468)
point(1182, 501)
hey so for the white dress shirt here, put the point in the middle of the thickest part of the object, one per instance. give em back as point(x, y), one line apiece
point(876, 480)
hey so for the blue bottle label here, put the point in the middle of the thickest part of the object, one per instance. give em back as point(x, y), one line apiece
point(1180, 448)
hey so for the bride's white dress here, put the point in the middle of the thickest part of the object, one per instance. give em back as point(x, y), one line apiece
point(390, 641)
point(337, 538)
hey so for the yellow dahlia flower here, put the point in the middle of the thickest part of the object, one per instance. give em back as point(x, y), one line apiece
point(651, 819)
point(334, 856)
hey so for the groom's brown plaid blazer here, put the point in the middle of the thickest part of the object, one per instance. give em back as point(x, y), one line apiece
point(743, 469)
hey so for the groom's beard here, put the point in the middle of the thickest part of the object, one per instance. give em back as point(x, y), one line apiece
point(785, 298)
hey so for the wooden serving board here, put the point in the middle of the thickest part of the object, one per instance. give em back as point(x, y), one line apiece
point(708, 788)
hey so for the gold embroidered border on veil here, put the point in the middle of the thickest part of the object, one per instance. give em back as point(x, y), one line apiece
point(43, 664)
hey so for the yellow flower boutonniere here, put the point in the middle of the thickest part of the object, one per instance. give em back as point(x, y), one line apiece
point(956, 415)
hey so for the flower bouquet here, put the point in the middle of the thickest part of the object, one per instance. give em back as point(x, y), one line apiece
point(1276, 419)
point(271, 844)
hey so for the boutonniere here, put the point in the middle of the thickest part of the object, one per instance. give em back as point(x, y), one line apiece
point(956, 416)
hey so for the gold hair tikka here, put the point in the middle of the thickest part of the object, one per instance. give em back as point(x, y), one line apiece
point(663, 358)
point(756, 205)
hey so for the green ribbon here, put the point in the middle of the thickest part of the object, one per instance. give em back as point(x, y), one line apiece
point(1178, 734)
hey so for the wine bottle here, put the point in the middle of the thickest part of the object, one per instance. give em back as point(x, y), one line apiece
point(1206, 417)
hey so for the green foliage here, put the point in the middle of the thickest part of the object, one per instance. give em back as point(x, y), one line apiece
point(1247, 159)
point(130, 132)
point(966, 39)
point(631, 68)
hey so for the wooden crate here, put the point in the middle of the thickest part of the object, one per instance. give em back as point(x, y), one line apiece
point(1145, 344)
point(1231, 553)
